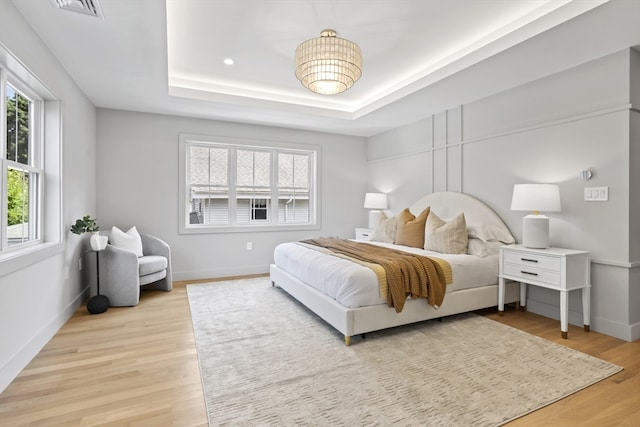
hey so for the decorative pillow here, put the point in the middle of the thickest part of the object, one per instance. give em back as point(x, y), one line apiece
point(129, 241)
point(385, 231)
point(483, 249)
point(410, 228)
point(490, 233)
point(446, 237)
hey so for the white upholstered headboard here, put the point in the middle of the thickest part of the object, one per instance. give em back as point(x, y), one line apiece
point(481, 219)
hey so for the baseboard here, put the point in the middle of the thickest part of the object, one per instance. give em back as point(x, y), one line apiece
point(598, 324)
point(10, 370)
point(247, 270)
point(635, 332)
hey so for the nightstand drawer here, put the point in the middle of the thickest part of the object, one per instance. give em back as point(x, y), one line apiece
point(527, 273)
point(364, 234)
point(533, 260)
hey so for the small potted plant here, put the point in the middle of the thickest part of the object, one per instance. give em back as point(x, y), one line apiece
point(86, 224)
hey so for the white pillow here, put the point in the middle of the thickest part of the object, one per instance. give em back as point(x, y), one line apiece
point(385, 231)
point(129, 241)
point(446, 237)
point(482, 249)
point(490, 233)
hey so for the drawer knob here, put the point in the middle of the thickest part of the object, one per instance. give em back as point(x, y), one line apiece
point(528, 260)
point(530, 274)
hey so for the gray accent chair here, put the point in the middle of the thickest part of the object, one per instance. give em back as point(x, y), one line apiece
point(122, 273)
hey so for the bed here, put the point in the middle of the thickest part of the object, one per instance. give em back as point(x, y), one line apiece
point(345, 294)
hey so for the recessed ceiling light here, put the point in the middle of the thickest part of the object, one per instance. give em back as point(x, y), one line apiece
point(228, 61)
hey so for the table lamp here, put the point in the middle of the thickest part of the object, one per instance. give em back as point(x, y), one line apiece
point(375, 202)
point(536, 198)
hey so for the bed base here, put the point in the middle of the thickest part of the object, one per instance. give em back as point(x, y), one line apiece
point(356, 321)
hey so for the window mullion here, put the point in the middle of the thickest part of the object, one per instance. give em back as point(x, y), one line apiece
point(275, 186)
point(233, 173)
point(37, 127)
point(36, 178)
point(3, 219)
point(311, 172)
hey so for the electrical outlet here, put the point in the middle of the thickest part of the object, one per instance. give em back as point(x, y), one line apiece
point(249, 246)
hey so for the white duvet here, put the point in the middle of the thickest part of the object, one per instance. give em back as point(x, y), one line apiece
point(354, 285)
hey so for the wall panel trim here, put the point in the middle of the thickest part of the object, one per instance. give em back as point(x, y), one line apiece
point(574, 118)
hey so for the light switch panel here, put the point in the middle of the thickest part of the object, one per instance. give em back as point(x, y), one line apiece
point(596, 194)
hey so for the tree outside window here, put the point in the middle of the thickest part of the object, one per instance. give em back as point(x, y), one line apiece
point(18, 126)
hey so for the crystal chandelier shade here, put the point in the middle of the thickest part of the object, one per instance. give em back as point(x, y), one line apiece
point(328, 65)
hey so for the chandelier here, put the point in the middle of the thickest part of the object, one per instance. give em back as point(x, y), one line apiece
point(328, 64)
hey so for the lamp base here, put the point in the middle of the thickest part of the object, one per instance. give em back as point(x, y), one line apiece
point(374, 218)
point(98, 304)
point(535, 231)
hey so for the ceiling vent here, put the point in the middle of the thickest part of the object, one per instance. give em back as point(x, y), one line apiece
point(87, 7)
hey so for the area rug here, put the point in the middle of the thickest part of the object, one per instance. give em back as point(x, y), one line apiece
point(266, 360)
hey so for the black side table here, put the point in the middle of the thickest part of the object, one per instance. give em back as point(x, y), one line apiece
point(98, 303)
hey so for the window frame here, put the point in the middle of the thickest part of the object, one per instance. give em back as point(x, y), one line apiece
point(185, 227)
point(49, 137)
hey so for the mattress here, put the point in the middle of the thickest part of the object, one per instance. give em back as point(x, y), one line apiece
point(354, 285)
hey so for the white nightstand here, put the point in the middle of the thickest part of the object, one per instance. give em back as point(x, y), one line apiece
point(554, 268)
point(364, 233)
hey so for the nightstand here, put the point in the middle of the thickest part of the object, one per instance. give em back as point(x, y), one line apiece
point(559, 269)
point(364, 233)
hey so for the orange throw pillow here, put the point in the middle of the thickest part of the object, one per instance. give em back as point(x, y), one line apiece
point(410, 228)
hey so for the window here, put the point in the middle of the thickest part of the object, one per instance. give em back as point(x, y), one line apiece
point(231, 185)
point(22, 167)
point(30, 168)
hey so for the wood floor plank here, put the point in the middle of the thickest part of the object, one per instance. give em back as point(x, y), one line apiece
point(137, 366)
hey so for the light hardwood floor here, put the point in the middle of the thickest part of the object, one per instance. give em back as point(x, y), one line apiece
point(138, 366)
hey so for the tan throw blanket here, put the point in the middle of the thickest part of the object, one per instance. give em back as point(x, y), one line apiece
point(406, 274)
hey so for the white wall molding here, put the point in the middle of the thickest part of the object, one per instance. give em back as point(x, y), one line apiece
point(185, 276)
point(569, 119)
point(433, 137)
point(598, 324)
point(613, 263)
point(564, 120)
point(634, 332)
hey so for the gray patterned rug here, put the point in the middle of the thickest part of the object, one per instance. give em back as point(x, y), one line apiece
point(265, 360)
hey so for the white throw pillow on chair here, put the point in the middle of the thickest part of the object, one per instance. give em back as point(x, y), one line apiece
point(129, 241)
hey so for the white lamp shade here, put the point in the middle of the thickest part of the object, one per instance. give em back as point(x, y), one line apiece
point(375, 201)
point(536, 197)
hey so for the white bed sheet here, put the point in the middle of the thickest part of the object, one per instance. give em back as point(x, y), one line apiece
point(354, 285)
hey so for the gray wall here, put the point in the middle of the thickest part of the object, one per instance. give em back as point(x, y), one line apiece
point(547, 130)
point(138, 185)
point(38, 298)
